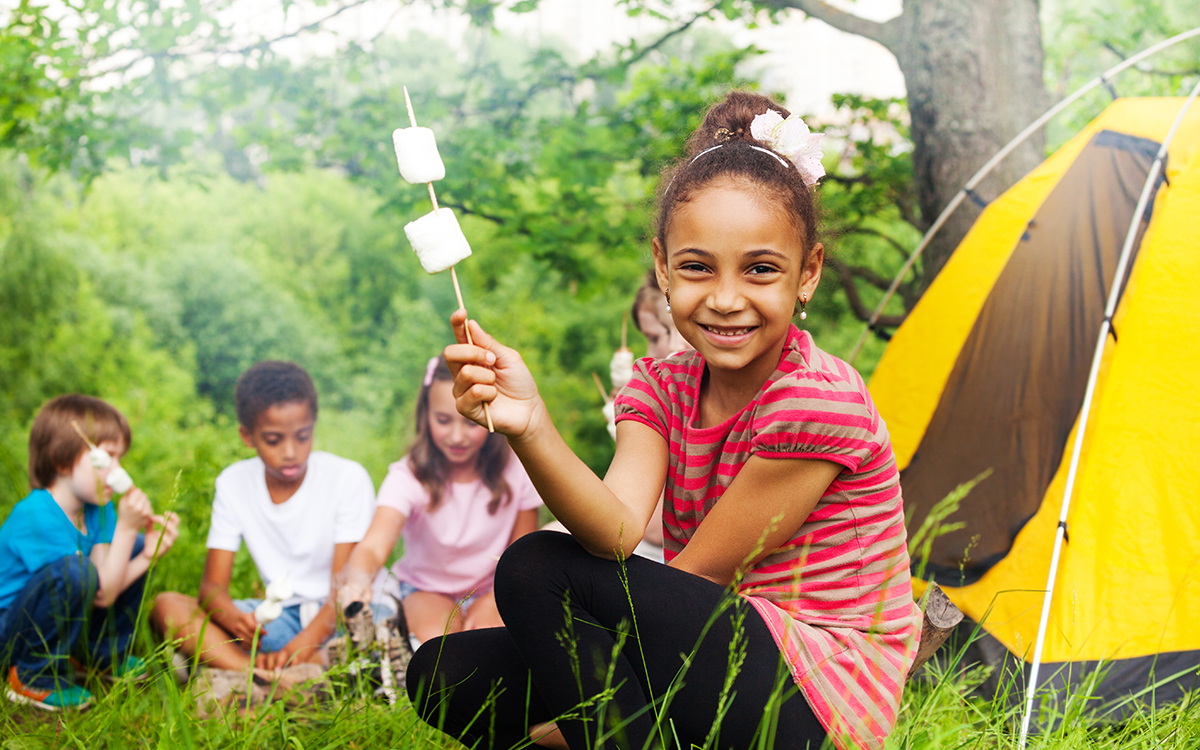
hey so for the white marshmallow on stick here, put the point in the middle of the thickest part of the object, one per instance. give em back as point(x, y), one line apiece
point(417, 155)
point(620, 369)
point(272, 607)
point(437, 240)
point(441, 244)
point(119, 480)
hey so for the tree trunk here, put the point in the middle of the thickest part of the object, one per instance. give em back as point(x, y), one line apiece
point(973, 72)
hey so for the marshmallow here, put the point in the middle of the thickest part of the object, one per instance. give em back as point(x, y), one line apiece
point(280, 590)
point(272, 607)
point(437, 240)
point(610, 416)
point(99, 458)
point(268, 611)
point(620, 369)
point(417, 155)
point(119, 480)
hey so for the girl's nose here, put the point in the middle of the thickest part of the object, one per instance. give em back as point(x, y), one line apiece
point(726, 297)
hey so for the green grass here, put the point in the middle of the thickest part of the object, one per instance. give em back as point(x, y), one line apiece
point(938, 712)
point(939, 709)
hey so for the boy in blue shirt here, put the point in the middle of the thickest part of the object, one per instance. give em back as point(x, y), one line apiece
point(72, 569)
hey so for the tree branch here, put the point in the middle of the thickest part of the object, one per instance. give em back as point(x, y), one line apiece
point(845, 276)
point(885, 33)
point(465, 211)
point(178, 54)
point(904, 251)
point(667, 36)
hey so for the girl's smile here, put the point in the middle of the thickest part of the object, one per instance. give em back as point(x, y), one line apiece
point(734, 266)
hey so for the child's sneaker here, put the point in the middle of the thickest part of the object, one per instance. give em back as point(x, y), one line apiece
point(130, 668)
point(67, 696)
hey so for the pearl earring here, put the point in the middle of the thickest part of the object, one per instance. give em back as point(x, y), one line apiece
point(668, 296)
point(803, 302)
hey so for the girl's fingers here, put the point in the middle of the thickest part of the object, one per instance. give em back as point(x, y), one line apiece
point(458, 355)
point(470, 375)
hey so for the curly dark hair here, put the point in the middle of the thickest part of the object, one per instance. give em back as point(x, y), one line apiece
point(269, 383)
point(429, 464)
point(727, 123)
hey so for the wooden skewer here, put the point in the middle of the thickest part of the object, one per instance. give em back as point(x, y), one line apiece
point(412, 119)
point(625, 329)
point(600, 387)
point(79, 430)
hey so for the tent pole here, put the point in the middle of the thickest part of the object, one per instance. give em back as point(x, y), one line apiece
point(1033, 127)
point(1110, 308)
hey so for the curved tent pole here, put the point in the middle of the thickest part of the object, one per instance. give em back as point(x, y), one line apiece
point(1033, 127)
point(1110, 308)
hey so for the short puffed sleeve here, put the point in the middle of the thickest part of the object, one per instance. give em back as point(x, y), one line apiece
point(401, 490)
point(645, 398)
point(803, 415)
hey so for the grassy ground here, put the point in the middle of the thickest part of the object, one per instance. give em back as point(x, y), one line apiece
point(938, 713)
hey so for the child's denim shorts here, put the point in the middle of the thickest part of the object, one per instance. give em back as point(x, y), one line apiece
point(280, 631)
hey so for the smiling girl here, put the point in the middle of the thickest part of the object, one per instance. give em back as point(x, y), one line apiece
point(460, 500)
point(783, 524)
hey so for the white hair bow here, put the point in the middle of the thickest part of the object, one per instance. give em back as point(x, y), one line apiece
point(792, 138)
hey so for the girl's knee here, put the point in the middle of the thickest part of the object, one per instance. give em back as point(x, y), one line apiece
point(531, 555)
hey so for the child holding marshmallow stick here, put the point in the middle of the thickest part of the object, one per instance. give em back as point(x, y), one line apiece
point(460, 498)
point(781, 488)
point(73, 568)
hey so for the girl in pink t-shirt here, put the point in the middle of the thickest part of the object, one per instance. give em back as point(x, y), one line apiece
point(460, 499)
point(784, 616)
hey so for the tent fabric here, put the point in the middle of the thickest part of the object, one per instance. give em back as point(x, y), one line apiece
point(1127, 596)
point(1018, 383)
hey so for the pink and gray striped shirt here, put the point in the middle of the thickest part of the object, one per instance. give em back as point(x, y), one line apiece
point(837, 596)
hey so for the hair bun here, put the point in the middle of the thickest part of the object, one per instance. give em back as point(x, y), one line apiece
point(730, 120)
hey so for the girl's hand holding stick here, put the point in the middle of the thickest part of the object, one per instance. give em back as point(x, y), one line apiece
point(436, 237)
point(491, 377)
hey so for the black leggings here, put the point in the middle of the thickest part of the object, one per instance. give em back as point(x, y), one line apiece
point(490, 686)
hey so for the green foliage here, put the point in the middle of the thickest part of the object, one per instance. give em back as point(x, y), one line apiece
point(1086, 37)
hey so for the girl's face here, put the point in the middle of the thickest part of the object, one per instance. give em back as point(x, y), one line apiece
point(458, 438)
point(87, 482)
point(735, 268)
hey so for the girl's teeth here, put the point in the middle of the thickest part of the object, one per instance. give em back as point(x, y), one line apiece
point(738, 332)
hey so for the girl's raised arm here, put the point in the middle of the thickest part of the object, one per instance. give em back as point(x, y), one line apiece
point(607, 517)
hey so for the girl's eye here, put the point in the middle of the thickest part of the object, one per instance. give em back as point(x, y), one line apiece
point(762, 269)
point(697, 267)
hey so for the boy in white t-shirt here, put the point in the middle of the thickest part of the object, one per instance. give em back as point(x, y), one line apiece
point(300, 513)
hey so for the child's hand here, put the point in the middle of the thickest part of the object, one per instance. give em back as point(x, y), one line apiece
point(242, 625)
point(134, 511)
point(351, 585)
point(299, 649)
point(161, 533)
point(491, 373)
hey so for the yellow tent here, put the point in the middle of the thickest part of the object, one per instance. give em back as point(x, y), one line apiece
point(989, 372)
